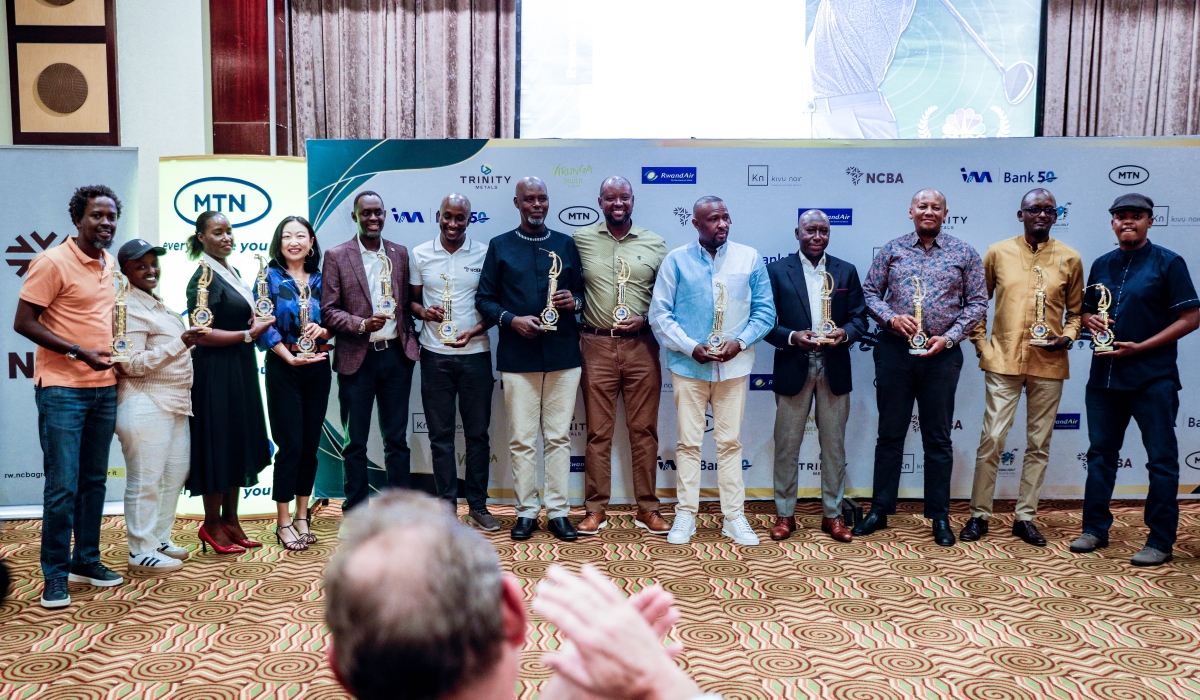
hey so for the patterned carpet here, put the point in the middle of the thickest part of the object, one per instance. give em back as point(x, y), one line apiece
point(894, 616)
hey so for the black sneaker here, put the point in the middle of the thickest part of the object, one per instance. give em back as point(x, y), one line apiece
point(54, 594)
point(95, 574)
point(484, 520)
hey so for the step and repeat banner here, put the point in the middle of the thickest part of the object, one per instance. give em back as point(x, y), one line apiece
point(34, 200)
point(866, 188)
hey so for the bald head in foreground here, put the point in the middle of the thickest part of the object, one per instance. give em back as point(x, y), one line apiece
point(419, 609)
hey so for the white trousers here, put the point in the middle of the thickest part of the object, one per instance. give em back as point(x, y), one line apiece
point(728, 401)
point(543, 400)
point(157, 446)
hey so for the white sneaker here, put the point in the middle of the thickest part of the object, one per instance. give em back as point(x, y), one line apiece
point(738, 529)
point(683, 528)
point(153, 564)
point(174, 551)
point(343, 530)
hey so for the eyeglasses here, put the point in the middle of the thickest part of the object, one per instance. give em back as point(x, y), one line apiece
point(1034, 211)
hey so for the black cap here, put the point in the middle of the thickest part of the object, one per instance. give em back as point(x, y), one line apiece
point(1133, 200)
point(135, 249)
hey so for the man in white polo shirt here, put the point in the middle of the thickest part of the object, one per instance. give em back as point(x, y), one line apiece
point(456, 358)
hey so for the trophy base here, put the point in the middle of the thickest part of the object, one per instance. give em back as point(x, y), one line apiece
point(390, 317)
point(118, 358)
point(305, 355)
point(549, 328)
point(825, 341)
point(1038, 342)
point(204, 330)
point(915, 351)
point(1102, 348)
point(449, 341)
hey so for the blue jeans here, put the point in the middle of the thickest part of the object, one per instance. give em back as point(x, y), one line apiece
point(76, 429)
point(1154, 407)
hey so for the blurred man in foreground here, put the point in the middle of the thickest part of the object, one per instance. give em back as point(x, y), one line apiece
point(451, 624)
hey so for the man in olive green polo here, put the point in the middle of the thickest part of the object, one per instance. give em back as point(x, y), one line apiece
point(620, 354)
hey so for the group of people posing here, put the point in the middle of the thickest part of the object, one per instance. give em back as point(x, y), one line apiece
point(585, 310)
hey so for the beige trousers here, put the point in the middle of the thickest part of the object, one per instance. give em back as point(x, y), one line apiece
point(1003, 392)
point(543, 400)
point(728, 400)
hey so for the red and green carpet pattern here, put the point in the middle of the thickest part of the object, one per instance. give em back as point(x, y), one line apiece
point(891, 616)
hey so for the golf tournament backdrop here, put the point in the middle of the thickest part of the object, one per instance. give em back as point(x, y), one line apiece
point(865, 187)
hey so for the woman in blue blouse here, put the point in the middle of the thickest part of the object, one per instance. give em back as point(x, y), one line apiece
point(297, 387)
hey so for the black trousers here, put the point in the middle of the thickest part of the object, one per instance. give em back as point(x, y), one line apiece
point(384, 377)
point(467, 379)
point(296, 401)
point(901, 378)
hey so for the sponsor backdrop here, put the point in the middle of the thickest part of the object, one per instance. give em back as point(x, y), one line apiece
point(866, 187)
point(35, 209)
point(254, 193)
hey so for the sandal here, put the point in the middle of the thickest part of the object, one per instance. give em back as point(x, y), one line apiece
point(307, 536)
point(297, 545)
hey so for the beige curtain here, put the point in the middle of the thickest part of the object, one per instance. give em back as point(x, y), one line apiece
point(403, 69)
point(1122, 68)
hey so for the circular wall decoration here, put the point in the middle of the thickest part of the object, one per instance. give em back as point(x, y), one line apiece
point(60, 3)
point(62, 87)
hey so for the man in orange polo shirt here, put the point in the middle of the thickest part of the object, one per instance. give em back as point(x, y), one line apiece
point(66, 308)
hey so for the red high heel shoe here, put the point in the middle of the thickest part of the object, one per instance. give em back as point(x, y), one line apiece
point(247, 543)
point(207, 539)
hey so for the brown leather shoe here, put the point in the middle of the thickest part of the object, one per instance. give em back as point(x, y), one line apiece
point(593, 523)
point(836, 528)
point(652, 521)
point(784, 527)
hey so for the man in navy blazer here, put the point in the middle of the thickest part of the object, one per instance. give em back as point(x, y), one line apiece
point(809, 368)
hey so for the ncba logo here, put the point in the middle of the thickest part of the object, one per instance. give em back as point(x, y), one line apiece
point(857, 176)
point(1129, 175)
point(242, 202)
point(578, 216)
point(973, 176)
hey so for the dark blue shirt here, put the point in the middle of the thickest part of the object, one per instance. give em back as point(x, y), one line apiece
point(1150, 287)
point(286, 296)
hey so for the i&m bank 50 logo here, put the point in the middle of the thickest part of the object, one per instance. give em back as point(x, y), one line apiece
point(668, 176)
point(242, 202)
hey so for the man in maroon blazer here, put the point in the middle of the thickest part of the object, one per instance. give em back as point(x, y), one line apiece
point(375, 351)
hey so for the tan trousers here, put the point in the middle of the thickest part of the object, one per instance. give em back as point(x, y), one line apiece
point(791, 418)
point(543, 400)
point(628, 366)
point(1003, 392)
point(728, 400)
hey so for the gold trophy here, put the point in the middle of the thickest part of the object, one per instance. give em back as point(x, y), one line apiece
point(120, 341)
point(1039, 332)
point(264, 308)
point(307, 345)
point(918, 344)
point(447, 331)
point(1103, 341)
point(621, 312)
point(387, 302)
point(550, 314)
point(202, 316)
point(716, 339)
point(827, 326)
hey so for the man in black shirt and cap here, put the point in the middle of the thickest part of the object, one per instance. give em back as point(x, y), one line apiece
point(1154, 304)
point(538, 355)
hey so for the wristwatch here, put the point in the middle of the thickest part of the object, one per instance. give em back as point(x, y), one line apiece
point(248, 338)
point(578, 303)
point(73, 353)
point(949, 343)
point(362, 326)
point(742, 343)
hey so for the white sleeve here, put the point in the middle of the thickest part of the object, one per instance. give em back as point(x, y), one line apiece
point(662, 311)
point(414, 270)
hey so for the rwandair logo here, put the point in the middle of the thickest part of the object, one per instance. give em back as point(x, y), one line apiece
point(485, 169)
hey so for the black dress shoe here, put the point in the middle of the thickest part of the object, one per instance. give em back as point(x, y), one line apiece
point(875, 520)
point(524, 528)
point(1026, 530)
point(562, 529)
point(942, 534)
point(973, 530)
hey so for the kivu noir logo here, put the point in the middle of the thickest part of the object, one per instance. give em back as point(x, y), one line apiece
point(578, 216)
point(857, 176)
point(668, 176)
point(837, 217)
point(1129, 175)
point(242, 202)
point(485, 180)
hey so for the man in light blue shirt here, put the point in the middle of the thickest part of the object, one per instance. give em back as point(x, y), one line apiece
point(712, 302)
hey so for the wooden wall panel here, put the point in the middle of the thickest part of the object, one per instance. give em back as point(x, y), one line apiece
point(241, 87)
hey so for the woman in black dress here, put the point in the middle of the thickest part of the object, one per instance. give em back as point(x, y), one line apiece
point(229, 432)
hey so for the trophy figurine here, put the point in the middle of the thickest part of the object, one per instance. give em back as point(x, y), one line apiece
point(1103, 341)
point(120, 341)
point(387, 302)
point(918, 344)
point(717, 338)
point(202, 316)
point(827, 326)
point(1039, 332)
point(307, 345)
point(550, 314)
point(264, 308)
point(621, 312)
point(447, 331)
